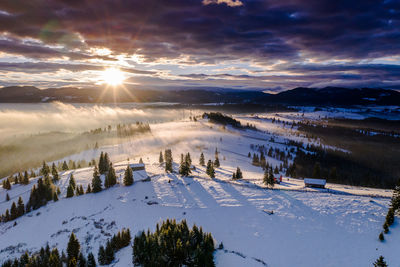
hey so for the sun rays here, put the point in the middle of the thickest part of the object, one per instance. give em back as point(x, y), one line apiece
point(112, 77)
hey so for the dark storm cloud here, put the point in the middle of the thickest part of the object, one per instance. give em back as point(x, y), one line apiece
point(212, 31)
point(259, 29)
point(315, 75)
point(313, 71)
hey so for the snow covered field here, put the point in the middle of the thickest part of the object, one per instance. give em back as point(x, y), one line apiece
point(338, 226)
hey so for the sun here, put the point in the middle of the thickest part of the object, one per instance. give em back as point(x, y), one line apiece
point(113, 76)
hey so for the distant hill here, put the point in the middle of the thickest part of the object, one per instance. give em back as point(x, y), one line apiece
point(335, 96)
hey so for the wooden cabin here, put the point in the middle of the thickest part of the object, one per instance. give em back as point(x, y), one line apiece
point(311, 182)
point(137, 166)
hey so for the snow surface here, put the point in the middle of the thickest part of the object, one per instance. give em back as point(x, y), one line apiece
point(336, 226)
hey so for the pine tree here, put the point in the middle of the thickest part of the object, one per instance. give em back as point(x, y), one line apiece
point(249, 155)
point(7, 197)
point(390, 217)
point(54, 259)
point(168, 160)
point(202, 160)
point(395, 201)
point(88, 189)
point(79, 190)
point(72, 182)
point(70, 191)
point(128, 177)
point(269, 177)
point(239, 174)
point(386, 228)
point(101, 257)
point(96, 181)
point(184, 168)
point(101, 163)
point(55, 197)
point(21, 207)
point(65, 166)
point(54, 173)
point(17, 178)
point(188, 159)
point(7, 184)
point(161, 158)
point(111, 179)
point(210, 169)
point(106, 162)
point(13, 211)
point(82, 192)
point(82, 262)
point(91, 262)
point(109, 252)
point(216, 162)
point(381, 237)
point(7, 216)
point(41, 193)
point(380, 262)
point(48, 188)
point(45, 171)
point(26, 178)
point(72, 263)
point(73, 247)
point(256, 160)
point(265, 177)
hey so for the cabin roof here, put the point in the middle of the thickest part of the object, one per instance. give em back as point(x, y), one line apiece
point(136, 165)
point(314, 181)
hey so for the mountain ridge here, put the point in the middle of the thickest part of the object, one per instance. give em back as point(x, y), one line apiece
point(297, 96)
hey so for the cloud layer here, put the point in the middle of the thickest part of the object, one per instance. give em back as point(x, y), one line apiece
point(272, 42)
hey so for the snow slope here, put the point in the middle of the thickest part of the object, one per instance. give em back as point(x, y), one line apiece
point(309, 227)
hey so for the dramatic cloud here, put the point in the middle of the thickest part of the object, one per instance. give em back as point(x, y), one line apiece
point(231, 3)
point(44, 67)
point(319, 40)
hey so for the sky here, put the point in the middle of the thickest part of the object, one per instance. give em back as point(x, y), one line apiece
point(269, 45)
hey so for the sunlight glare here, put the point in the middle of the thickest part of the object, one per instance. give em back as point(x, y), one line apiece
point(113, 76)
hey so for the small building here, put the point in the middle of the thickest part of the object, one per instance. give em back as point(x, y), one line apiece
point(278, 180)
point(311, 182)
point(137, 166)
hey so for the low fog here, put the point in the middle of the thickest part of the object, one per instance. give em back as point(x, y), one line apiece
point(31, 133)
point(29, 119)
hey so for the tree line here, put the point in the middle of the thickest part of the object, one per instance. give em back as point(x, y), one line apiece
point(219, 118)
point(106, 254)
point(45, 189)
point(174, 244)
point(394, 208)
